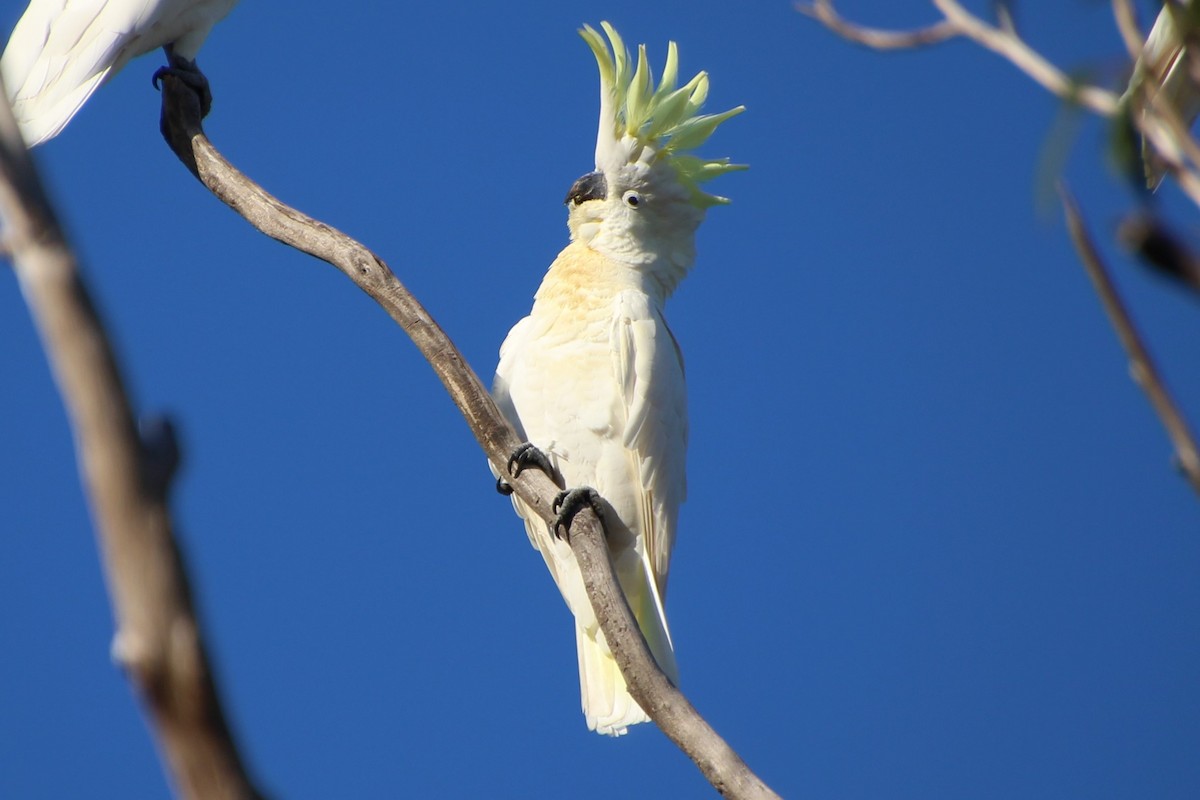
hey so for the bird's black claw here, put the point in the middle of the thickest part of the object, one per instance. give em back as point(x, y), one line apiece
point(528, 455)
point(192, 77)
point(161, 452)
point(569, 503)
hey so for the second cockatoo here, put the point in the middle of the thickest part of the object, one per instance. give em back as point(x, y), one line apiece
point(593, 378)
point(61, 51)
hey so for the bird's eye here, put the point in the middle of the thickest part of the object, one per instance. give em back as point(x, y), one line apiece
point(632, 199)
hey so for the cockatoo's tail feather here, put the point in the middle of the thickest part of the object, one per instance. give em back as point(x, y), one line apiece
point(642, 123)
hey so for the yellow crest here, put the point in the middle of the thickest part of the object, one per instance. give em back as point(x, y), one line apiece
point(642, 123)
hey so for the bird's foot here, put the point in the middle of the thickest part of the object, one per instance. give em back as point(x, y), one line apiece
point(186, 71)
point(570, 503)
point(161, 452)
point(527, 455)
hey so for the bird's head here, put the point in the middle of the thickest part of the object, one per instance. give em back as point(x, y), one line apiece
point(643, 203)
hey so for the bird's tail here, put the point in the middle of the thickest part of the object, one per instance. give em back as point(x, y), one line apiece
point(607, 704)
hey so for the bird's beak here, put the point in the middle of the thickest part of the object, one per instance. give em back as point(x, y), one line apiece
point(592, 186)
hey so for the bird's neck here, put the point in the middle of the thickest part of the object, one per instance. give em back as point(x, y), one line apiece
point(583, 276)
point(660, 249)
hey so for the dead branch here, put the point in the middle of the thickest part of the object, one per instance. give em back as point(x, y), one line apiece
point(877, 38)
point(158, 639)
point(1007, 44)
point(1156, 119)
point(1141, 365)
point(1127, 25)
point(1160, 125)
point(957, 21)
point(675, 716)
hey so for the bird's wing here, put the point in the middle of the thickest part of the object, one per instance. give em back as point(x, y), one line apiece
point(63, 50)
point(649, 368)
point(513, 343)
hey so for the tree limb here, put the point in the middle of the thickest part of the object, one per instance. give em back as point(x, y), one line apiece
point(1155, 118)
point(957, 21)
point(675, 716)
point(1007, 44)
point(877, 38)
point(158, 639)
point(1141, 364)
point(1160, 125)
point(1127, 25)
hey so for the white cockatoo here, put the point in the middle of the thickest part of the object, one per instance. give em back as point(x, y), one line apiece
point(1165, 63)
point(593, 378)
point(63, 50)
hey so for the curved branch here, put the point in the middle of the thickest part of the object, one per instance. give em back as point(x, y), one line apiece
point(1141, 364)
point(1160, 124)
point(158, 639)
point(957, 21)
point(877, 38)
point(1006, 43)
point(675, 716)
point(1127, 25)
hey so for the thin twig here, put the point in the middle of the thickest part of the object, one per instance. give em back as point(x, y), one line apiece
point(1005, 20)
point(957, 21)
point(877, 38)
point(723, 768)
point(1127, 25)
point(1028, 60)
point(1141, 365)
point(158, 639)
point(1170, 137)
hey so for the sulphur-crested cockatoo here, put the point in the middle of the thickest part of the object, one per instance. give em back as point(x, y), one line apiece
point(593, 378)
point(1165, 64)
point(63, 50)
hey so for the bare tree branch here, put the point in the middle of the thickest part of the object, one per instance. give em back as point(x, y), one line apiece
point(1154, 116)
point(1127, 26)
point(1161, 125)
point(675, 716)
point(158, 639)
point(877, 38)
point(1011, 47)
point(957, 21)
point(1006, 22)
point(1141, 365)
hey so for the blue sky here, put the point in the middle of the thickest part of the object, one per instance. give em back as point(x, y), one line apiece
point(934, 545)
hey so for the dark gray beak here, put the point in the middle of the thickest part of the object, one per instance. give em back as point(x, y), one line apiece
point(590, 187)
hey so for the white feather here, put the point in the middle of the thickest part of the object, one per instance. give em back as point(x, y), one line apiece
point(593, 378)
point(61, 51)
